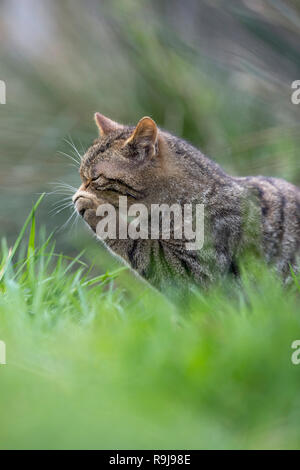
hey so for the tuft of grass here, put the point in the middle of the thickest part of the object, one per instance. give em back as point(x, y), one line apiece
point(90, 365)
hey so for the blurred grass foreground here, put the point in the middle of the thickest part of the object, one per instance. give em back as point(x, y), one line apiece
point(95, 358)
point(90, 367)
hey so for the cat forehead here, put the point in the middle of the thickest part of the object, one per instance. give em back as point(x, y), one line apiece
point(104, 147)
point(104, 142)
point(101, 144)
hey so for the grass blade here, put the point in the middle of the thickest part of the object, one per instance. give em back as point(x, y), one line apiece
point(21, 234)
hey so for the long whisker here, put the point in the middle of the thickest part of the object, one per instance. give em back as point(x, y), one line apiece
point(64, 199)
point(65, 202)
point(82, 148)
point(75, 221)
point(73, 147)
point(77, 163)
point(61, 184)
point(65, 190)
point(53, 212)
point(60, 192)
point(69, 220)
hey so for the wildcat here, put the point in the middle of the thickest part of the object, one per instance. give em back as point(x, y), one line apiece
point(150, 166)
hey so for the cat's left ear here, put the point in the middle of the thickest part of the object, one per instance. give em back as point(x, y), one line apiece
point(145, 136)
point(106, 125)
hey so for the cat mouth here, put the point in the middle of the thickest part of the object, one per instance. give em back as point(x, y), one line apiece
point(83, 201)
point(81, 205)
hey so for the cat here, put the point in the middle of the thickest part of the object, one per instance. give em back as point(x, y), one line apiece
point(149, 165)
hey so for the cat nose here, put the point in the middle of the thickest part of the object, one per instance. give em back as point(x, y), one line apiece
point(77, 194)
point(80, 204)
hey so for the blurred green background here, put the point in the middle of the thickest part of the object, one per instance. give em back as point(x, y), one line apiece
point(106, 362)
point(217, 73)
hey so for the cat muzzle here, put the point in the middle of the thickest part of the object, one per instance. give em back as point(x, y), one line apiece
point(82, 201)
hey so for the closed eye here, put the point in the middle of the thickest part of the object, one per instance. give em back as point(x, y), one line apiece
point(115, 185)
point(100, 179)
point(96, 178)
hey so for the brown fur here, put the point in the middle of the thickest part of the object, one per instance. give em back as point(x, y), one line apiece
point(151, 166)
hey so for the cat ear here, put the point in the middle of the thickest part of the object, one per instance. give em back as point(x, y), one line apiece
point(106, 125)
point(145, 135)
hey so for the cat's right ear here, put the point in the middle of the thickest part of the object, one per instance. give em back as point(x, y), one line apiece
point(106, 125)
point(145, 136)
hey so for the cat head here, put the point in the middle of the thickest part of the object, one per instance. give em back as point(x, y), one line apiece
point(123, 161)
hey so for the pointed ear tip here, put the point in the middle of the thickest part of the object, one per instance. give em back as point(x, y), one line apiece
point(147, 121)
point(147, 118)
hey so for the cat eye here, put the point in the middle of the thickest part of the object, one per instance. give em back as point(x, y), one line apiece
point(113, 185)
point(96, 178)
point(99, 182)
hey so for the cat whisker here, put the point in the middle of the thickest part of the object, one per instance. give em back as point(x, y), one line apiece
point(60, 192)
point(61, 204)
point(75, 221)
point(64, 184)
point(82, 148)
point(65, 202)
point(55, 212)
point(73, 165)
point(68, 221)
point(61, 184)
point(67, 197)
point(71, 143)
point(75, 148)
point(70, 157)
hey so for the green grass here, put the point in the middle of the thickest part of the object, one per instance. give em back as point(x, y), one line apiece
point(91, 364)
